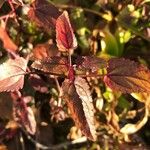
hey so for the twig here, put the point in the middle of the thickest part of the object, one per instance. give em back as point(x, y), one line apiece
point(11, 5)
point(22, 141)
point(84, 9)
point(11, 14)
point(56, 75)
point(90, 75)
point(59, 90)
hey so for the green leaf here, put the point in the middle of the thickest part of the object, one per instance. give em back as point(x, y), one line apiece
point(123, 102)
point(109, 44)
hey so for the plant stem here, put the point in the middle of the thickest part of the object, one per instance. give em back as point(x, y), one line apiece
point(57, 75)
point(59, 91)
point(69, 58)
point(84, 9)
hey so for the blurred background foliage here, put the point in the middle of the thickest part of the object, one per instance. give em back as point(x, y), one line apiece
point(107, 29)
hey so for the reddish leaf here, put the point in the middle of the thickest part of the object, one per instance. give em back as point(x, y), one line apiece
point(44, 14)
point(127, 76)
point(79, 101)
point(90, 63)
point(12, 74)
point(8, 44)
point(56, 65)
point(31, 125)
point(65, 37)
point(24, 115)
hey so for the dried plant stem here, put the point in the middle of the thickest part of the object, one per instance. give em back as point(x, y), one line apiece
point(11, 5)
point(59, 90)
point(22, 142)
point(6, 16)
point(11, 14)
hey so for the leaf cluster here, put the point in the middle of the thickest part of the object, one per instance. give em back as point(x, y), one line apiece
point(72, 65)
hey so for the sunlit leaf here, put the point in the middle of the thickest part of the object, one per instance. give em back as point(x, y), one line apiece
point(109, 44)
point(90, 63)
point(57, 65)
point(65, 37)
point(142, 97)
point(79, 101)
point(127, 76)
point(12, 74)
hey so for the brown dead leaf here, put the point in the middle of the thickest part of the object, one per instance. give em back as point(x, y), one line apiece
point(45, 50)
point(3, 147)
point(8, 44)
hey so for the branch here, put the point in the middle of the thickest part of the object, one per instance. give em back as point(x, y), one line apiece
point(59, 146)
point(59, 91)
point(84, 9)
point(63, 75)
